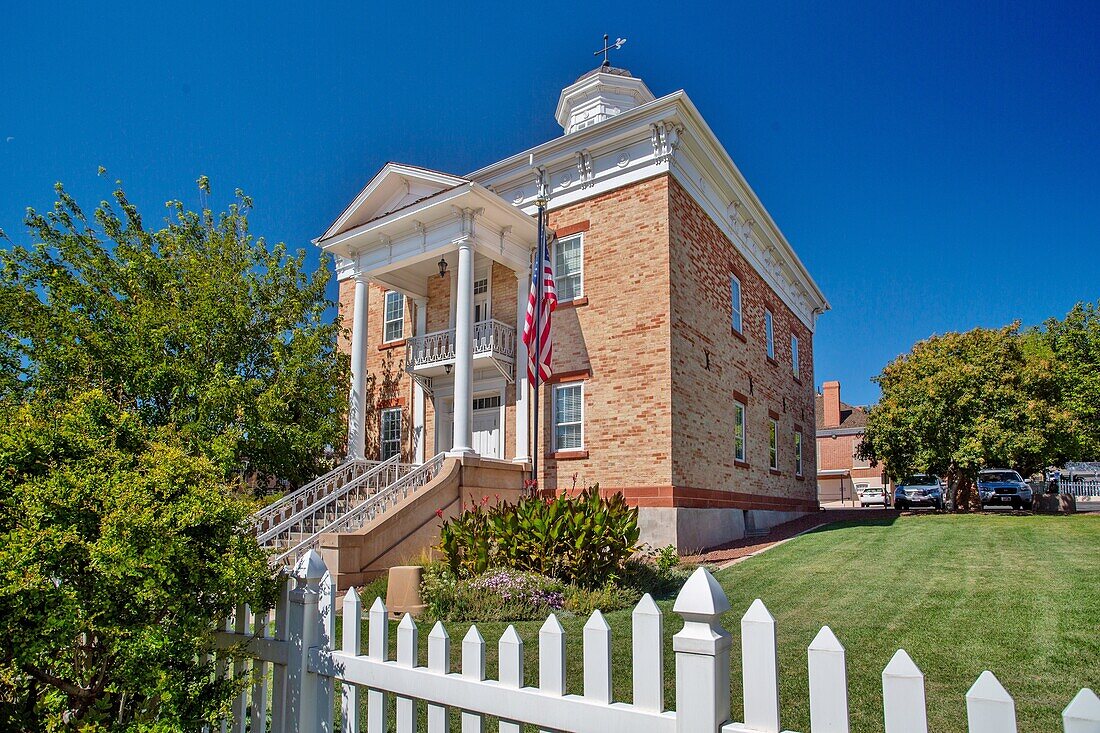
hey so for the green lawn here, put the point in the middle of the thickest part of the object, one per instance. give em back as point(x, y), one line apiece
point(1017, 595)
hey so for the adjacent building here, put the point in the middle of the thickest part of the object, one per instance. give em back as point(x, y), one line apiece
point(841, 473)
point(683, 338)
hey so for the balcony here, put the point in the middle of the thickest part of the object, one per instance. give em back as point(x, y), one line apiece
point(433, 354)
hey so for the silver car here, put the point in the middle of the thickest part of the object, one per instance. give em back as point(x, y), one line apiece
point(871, 495)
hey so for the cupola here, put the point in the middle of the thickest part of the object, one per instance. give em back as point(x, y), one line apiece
point(600, 94)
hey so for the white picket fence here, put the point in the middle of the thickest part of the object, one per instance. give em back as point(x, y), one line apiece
point(296, 661)
point(1079, 488)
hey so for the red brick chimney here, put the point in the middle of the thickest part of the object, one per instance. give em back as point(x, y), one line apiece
point(830, 393)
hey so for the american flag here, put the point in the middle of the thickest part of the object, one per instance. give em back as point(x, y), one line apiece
point(541, 354)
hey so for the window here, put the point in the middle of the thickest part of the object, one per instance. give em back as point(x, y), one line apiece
point(393, 327)
point(798, 453)
point(794, 355)
point(569, 416)
point(735, 298)
point(769, 334)
point(738, 432)
point(390, 433)
point(773, 444)
point(568, 267)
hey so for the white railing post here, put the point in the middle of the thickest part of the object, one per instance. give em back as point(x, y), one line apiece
point(702, 650)
point(903, 696)
point(828, 684)
point(306, 709)
point(760, 669)
point(989, 707)
point(1082, 715)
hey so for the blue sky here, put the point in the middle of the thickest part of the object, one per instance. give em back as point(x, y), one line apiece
point(936, 167)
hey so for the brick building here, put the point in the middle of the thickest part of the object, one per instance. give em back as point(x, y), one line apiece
point(683, 337)
point(840, 472)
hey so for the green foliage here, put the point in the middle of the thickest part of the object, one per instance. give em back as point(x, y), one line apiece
point(498, 595)
point(608, 597)
point(961, 402)
point(1072, 348)
point(197, 324)
point(582, 540)
point(119, 551)
point(667, 558)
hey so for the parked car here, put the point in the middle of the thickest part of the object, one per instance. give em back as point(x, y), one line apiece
point(919, 490)
point(1000, 486)
point(871, 495)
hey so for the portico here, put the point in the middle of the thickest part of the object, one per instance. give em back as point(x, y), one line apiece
point(407, 227)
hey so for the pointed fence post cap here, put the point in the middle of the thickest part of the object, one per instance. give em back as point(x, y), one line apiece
point(439, 631)
point(352, 596)
point(311, 569)
point(701, 596)
point(758, 613)
point(552, 626)
point(1084, 706)
point(473, 636)
point(596, 622)
point(647, 607)
point(902, 665)
point(988, 687)
point(511, 636)
point(826, 641)
point(407, 622)
point(378, 606)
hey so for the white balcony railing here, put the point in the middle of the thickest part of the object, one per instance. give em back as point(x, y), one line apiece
point(491, 338)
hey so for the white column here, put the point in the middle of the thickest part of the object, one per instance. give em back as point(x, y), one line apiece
point(523, 397)
point(464, 351)
point(357, 399)
point(418, 391)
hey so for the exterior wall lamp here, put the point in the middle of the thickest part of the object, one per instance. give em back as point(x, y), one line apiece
point(442, 267)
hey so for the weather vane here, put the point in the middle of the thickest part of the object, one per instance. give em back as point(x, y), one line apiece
point(607, 47)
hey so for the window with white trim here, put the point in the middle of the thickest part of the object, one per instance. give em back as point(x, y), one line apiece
point(393, 325)
point(738, 432)
point(735, 299)
point(773, 444)
point(569, 416)
point(389, 433)
point(569, 267)
point(798, 453)
point(769, 334)
point(794, 355)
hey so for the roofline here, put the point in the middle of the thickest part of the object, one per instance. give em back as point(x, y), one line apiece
point(681, 100)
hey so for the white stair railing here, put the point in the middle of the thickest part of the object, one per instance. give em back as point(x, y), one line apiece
point(317, 489)
point(307, 520)
point(365, 511)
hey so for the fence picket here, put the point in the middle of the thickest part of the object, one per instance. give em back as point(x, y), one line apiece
point(828, 684)
point(552, 657)
point(439, 661)
point(351, 643)
point(989, 707)
point(1082, 715)
point(510, 655)
point(406, 657)
point(760, 669)
point(473, 667)
point(903, 696)
point(239, 722)
point(278, 671)
point(647, 626)
point(597, 658)
point(261, 669)
point(378, 644)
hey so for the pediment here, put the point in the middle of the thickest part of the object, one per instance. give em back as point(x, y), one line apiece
point(394, 187)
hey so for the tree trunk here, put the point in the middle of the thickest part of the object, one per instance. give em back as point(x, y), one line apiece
point(963, 490)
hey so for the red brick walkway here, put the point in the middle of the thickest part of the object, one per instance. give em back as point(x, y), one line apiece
point(752, 545)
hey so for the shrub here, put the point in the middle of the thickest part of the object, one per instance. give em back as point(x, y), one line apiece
point(610, 597)
point(498, 595)
point(667, 558)
point(583, 540)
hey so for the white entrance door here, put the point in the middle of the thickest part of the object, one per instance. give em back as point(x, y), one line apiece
point(487, 426)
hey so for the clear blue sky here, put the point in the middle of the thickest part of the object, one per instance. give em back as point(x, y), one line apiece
point(936, 167)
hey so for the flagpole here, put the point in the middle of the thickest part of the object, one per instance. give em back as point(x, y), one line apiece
point(541, 247)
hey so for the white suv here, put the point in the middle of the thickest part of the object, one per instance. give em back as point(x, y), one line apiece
point(869, 495)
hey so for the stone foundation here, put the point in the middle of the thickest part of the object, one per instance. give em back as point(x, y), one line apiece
point(693, 530)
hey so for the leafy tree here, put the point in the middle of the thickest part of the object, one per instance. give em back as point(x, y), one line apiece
point(196, 324)
point(1072, 346)
point(961, 402)
point(119, 551)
